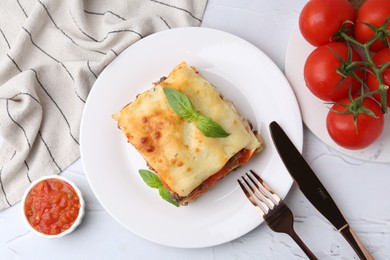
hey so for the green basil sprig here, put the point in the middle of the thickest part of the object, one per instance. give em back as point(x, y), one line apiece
point(153, 181)
point(184, 108)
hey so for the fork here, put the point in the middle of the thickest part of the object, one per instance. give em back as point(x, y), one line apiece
point(275, 212)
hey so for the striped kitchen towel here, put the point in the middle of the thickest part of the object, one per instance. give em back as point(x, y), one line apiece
point(51, 53)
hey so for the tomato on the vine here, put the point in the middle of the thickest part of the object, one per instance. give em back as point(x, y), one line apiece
point(374, 12)
point(321, 19)
point(380, 58)
point(341, 126)
point(323, 69)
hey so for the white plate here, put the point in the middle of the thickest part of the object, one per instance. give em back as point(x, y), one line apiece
point(245, 75)
point(314, 110)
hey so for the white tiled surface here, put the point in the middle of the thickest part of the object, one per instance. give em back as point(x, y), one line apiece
point(361, 189)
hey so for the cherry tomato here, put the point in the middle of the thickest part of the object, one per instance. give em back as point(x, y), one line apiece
point(373, 12)
point(379, 59)
point(320, 19)
point(321, 76)
point(342, 130)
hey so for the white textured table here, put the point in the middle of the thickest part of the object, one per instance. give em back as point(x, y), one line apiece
point(361, 189)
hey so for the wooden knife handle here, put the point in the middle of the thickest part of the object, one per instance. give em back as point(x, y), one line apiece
point(356, 244)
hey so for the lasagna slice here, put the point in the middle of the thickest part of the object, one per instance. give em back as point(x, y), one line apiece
point(187, 162)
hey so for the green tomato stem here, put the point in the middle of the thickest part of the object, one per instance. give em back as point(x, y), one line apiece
point(382, 88)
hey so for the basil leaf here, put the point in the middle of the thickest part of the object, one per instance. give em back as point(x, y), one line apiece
point(209, 127)
point(180, 103)
point(166, 195)
point(183, 106)
point(151, 179)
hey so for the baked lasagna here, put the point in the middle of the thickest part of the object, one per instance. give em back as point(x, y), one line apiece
point(187, 162)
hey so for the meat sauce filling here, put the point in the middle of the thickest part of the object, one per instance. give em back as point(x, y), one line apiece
point(238, 159)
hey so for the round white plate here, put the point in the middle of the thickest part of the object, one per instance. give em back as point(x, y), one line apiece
point(245, 75)
point(314, 110)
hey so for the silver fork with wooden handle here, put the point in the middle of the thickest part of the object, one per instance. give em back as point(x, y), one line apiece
point(273, 209)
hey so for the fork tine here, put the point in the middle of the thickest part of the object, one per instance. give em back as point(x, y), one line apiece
point(258, 192)
point(249, 192)
point(266, 189)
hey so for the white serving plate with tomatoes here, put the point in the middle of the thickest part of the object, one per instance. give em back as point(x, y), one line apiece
point(314, 111)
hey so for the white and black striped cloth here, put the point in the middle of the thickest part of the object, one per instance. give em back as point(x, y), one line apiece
point(51, 53)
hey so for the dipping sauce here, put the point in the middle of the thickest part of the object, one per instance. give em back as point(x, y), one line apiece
point(52, 206)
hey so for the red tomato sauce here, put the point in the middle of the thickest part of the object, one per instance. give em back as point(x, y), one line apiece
point(52, 206)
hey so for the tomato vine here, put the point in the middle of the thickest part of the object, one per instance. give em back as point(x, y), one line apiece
point(380, 33)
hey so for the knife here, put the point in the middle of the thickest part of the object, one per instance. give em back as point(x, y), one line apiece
point(313, 189)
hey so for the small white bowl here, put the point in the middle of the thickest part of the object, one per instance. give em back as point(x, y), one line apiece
point(76, 222)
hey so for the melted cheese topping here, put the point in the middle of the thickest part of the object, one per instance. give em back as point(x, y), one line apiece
point(180, 153)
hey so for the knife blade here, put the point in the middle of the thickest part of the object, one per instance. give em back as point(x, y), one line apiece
point(313, 189)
